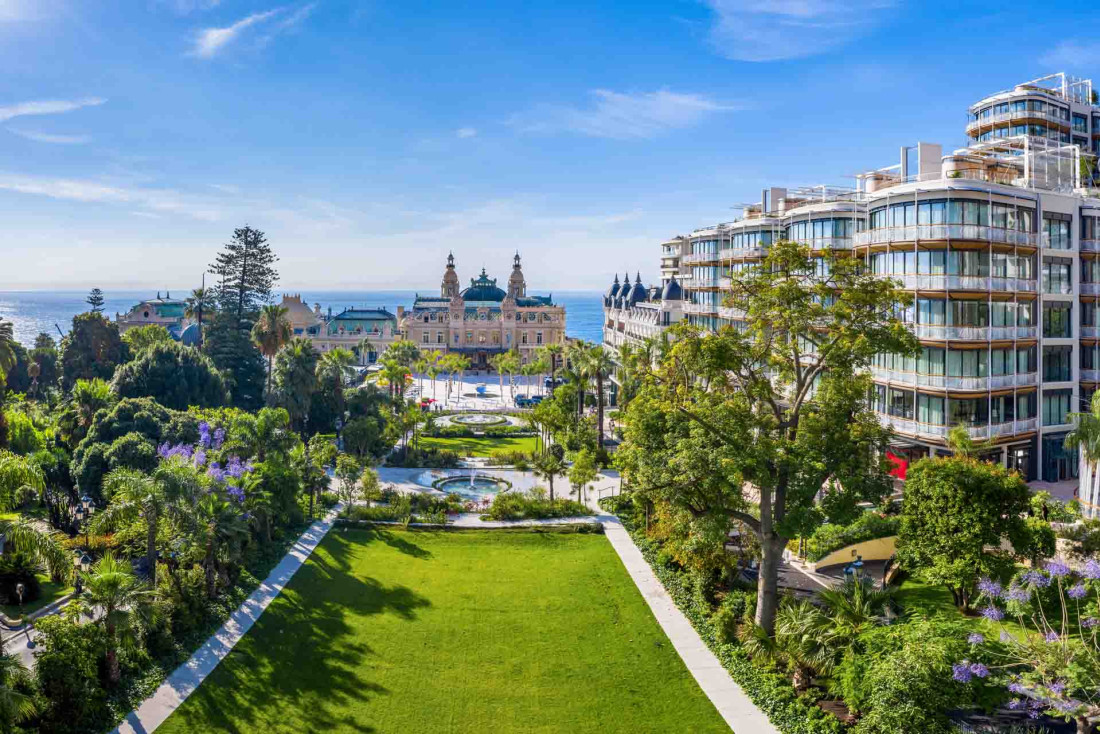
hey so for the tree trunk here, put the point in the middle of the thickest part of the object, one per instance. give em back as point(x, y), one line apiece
point(114, 674)
point(269, 377)
point(551, 487)
point(767, 585)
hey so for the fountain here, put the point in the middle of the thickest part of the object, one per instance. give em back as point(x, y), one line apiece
point(475, 487)
point(478, 420)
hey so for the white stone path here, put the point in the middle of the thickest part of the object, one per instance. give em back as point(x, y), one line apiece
point(734, 706)
point(185, 679)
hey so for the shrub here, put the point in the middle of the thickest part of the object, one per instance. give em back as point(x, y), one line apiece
point(517, 459)
point(23, 437)
point(869, 526)
point(18, 568)
point(173, 375)
point(533, 506)
point(67, 674)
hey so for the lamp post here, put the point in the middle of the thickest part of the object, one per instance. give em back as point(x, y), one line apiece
point(78, 584)
point(84, 515)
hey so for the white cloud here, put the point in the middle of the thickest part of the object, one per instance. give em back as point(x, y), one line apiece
point(41, 137)
point(186, 7)
point(623, 116)
point(210, 41)
point(770, 30)
point(1071, 54)
point(465, 132)
point(47, 107)
point(91, 191)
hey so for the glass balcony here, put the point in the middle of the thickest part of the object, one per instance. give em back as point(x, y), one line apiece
point(946, 382)
point(978, 232)
point(699, 258)
point(929, 430)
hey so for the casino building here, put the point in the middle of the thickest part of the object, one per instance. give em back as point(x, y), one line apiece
point(483, 320)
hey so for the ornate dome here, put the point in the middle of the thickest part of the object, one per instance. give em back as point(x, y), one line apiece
point(613, 291)
point(483, 288)
point(636, 294)
point(672, 291)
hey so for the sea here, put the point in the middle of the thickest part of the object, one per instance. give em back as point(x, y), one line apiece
point(52, 311)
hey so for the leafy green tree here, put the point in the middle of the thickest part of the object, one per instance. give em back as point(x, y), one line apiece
point(348, 473)
point(363, 437)
point(270, 333)
point(295, 380)
point(218, 531)
point(228, 343)
point(954, 516)
point(87, 398)
point(91, 350)
point(44, 355)
point(600, 366)
point(16, 706)
point(67, 670)
point(95, 301)
point(140, 338)
point(175, 376)
point(334, 368)
point(776, 410)
point(548, 466)
point(7, 351)
point(112, 589)
point(583, 472)
point(199, 302)
point(404, 352)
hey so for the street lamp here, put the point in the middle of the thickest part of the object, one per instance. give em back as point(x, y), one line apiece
point(78, 586)
point(84, 513)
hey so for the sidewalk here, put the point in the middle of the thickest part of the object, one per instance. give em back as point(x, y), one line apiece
point(189, 676)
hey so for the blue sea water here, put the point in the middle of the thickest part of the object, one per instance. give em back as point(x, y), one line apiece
point(37, 311)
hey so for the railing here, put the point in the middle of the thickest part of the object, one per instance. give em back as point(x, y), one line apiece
point(991, 382)
point(725, 284)
point(699, 257)
point(973, 333)
point(931, 430)
point(734, 314)
point(1090, 289)
point(964, 283)
point(1090, 245)
point(741, 253)
point(825, 243)
point(914, 232)
point(990, 120)
point(1090, 332)
point(1090, 375)
point(700, 309)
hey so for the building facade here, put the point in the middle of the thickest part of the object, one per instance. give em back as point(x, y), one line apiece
point(365, 332)
point(635, 314)
point(997, 242)
point(484, 320)
point(171, 313)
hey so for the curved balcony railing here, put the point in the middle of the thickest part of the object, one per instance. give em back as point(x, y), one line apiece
point(1090, 332)
point(1090, 289)
point(741, 253)
point(700, 257)
point(702, 309)
point(973, 333)
point(1015, 116)
point(1090, 245)
point(930, 430)
point(734, 314)
point(981, 233)
point(1090, 375)
point(725, 283)
point(945, 382)
point(964, 283)
point(825, 243)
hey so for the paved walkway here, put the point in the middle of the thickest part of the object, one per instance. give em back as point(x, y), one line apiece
point(186, 678)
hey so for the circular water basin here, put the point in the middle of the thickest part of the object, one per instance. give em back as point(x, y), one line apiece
point(475, 487)
point(478, 419)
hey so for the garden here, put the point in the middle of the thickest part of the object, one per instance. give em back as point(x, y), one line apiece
point(403, 631)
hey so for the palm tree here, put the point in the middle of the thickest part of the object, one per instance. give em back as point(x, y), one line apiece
point(434, 366)
point(219, 528)
point(7, 349)
point(20, 475)
point(336, 366)
point(89, 397)
point(112, 587)
point(15, 707)
point(499, 363)
point(1086, 437)
point(854, 607)
point(599, 365)
point(577, 370)
point(197, 303)
point(547, 466)
point(270, 332)
point(365, 347)
point(799, 642)
point(296, 379)
point(33, 371)
point(394, 373)
point(420, 366)
point(552, 353)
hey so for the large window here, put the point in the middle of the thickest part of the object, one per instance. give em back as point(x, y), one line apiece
point(1057, 322)
point(1057, 276)
point(968, 411)
point(1056, 231)
point(901, 403)
point(1056, 407)
point(967, 363)
point(930, 409)
point(953, 211)
point(1057, 365)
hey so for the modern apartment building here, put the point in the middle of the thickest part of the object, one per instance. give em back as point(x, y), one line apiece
point(998, 243)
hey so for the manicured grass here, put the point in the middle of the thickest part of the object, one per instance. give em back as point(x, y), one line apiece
point(51, 592)
point(481, 446)
point(444, 631)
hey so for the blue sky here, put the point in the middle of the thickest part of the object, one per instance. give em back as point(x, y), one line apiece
point(369, 138)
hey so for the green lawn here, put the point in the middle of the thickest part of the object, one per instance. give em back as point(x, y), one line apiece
point(482, 446)
point(444, 631)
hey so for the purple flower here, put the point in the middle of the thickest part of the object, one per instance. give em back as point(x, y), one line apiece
point(163, 449)
point(1058, 687)
point(1035, 577)
point(1077, 591)
point(219, 437)
point(975, 638)
point(961, 672)
point(1092, 569)
point(979, 670)
point(1057, 569)
point(1018, 593)
point(1016, 704)
point(992, 589)
point(235, 492)
point(204, 434)
point(1016, 687)
point(215, 471)
point(1051, 636)
point(1089, 622)
point(993, 614)
point(199, 457)
point(234, 468)
point(1005, 637)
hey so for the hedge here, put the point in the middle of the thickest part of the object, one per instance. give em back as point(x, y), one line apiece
point(771, 692)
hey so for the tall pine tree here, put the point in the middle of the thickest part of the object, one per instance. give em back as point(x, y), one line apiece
point(246, 274)
point(95, 300)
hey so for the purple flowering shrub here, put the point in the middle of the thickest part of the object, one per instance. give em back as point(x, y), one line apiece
point(1054, 667)
point(229, 480)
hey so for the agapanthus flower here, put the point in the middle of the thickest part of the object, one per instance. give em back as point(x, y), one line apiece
point(235, 492)
point(1051, 636)
point(204, 434)
point(1016, 704)
point(1058, 687)
point(219, 438)
point(1035, 577)
point(961, 672)
point(1018, 593)
point(1005, 637)
point(199, 457)
point(990, 588)
point(215, 471)
point(993, 614)
point(1077, 591)
point(1089, 622)
point(1091, 569)
point(163, 449)
point(1017, 687)
point(979, 670)
point(1057, 569)
point(975, 638)
point(234, 468)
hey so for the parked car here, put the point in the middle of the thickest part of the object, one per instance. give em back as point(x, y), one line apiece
point(522, 401)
